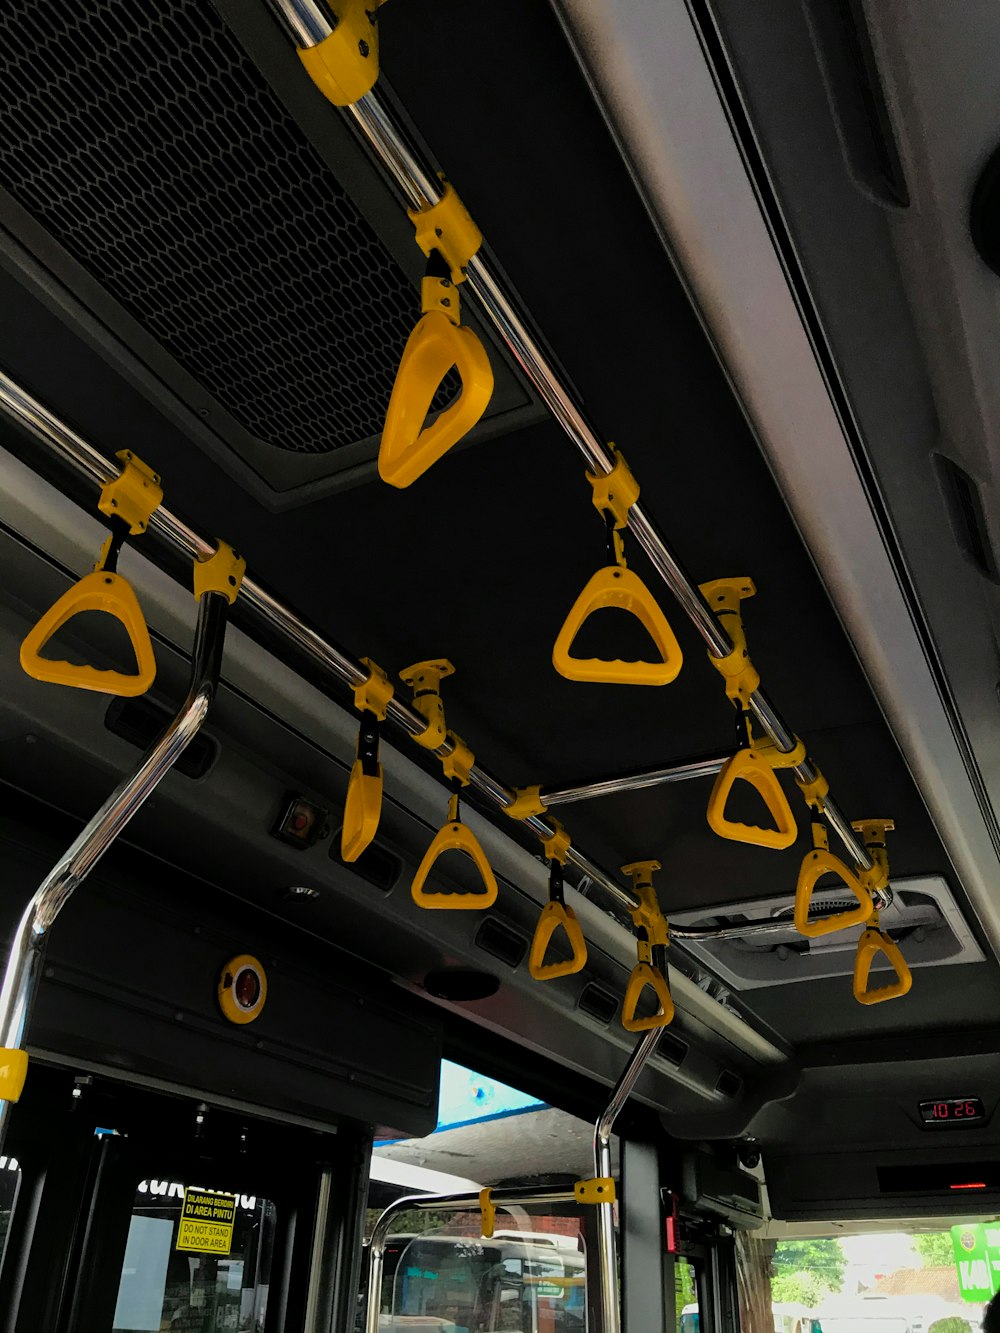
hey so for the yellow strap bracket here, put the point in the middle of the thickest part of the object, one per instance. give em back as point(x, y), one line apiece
point(424, 678)
point(615, 492)
point(556, 846)
point(373, 694)
point(873, 942)
point(599, 1189)
point(775, 758)
point(651, 952)
point(526, 803)
point(487, 1209)
point(459, 762)
point(873, 833)
point(723, 597)
point(344, 66)
point(220, 572)
point(441, 294)
point(13, 1072)
point(815, 792)
point(817, 863)
point(455, 837)
point(448, 228)
point(134, 495)
point(648, 916)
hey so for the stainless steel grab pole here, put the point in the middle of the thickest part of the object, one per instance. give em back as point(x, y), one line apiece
point(24, 957)
point(501, 1198)
point(607, 1249)
point(689, 769)
point(375, 123)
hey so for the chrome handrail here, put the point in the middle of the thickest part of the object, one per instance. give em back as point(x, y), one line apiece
point(24, 957)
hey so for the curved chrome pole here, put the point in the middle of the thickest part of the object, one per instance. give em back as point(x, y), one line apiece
point(24, 958)
point(607, 1250)
point(502, 1198)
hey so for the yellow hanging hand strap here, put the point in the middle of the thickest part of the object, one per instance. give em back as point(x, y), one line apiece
point(617, 587)
point(875, 941)
point(817, 863)
point(556, 915)
point(454, 837)
point(13, 1072)
point(363, 806)
point(653, 937)
point(488, 1213)
point(128, 501)
point(438, 345)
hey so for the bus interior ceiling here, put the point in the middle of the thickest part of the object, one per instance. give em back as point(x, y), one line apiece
point(201, 264)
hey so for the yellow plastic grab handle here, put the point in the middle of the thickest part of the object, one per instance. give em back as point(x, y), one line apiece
point(408, 447)
point(455, 837)
point(362, 811)
point(643, 975)
point(99, 591)
point(872, 943)
point(13, 1072)
point(748, 766)
point(815, 865)
point(620, 588)
point(554, 916)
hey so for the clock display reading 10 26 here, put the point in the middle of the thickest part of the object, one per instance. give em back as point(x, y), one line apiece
point(952, 1111)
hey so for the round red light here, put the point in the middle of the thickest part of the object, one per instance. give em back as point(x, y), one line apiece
point(246, 988)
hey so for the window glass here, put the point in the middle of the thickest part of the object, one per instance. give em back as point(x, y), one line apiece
point(10, 1180)
point(529, 1277)
point(686, 1297)
point(196, 1261)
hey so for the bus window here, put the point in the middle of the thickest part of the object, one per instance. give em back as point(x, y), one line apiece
point(10, 1179)
point(165, 1285)
point(517, 1282)
point(686, 1297)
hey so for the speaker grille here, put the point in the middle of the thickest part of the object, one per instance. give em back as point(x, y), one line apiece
point(148, 145)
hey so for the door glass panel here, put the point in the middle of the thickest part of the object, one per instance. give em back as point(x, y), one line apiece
point(686, 1297)
point(10, 1180)
point(530, 1277)
point(196, 1261)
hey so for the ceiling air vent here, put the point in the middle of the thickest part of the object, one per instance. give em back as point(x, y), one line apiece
point(729, 1084)
point(670, 1050)
point(375, 864)
point(202, 223)
point(141, 722)
point(502, 941)
point(924, 918)
point(854, 86)
point(598, 1003)
point(965, 509)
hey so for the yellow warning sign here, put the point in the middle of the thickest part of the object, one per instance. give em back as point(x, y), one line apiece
point(207, 1222)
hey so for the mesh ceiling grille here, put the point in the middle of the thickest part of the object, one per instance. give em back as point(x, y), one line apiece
point(141, 137)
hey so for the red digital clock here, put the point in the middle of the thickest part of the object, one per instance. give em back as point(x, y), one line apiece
point(952, 1111)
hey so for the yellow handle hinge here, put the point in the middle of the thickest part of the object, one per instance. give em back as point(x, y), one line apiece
point(615, 492)
point(448, 228)
point(599, 1189)
point(373, 694)
point(424, 678)
point(134, 495)
point(488, 1211)
point(526, 803)
point(723, 597)
point(221, 572)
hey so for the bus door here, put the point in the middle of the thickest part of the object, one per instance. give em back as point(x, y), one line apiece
point(129, 1211)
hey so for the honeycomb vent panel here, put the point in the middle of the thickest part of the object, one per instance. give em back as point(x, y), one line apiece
point(144, 141)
